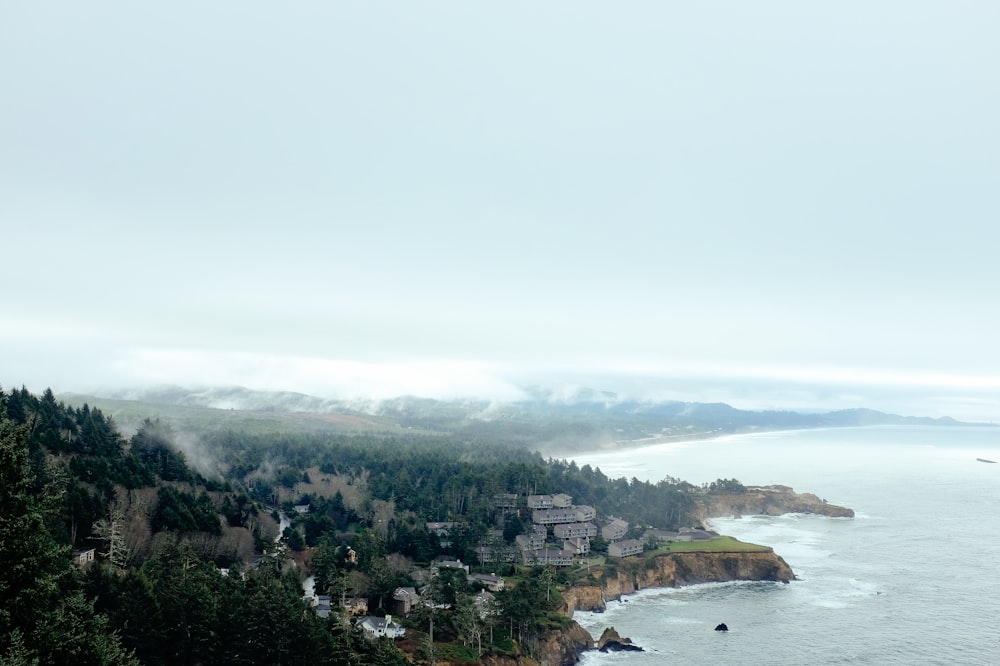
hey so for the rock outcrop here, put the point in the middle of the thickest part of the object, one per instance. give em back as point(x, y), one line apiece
point(611, 641)
point(767, 501)
point(563, 648)
point(675, 570)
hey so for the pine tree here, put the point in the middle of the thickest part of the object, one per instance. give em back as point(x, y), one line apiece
point(44, 617)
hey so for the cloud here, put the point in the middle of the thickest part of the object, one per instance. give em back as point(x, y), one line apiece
point(441, 379)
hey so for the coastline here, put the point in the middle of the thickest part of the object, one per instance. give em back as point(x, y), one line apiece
point(648, 574)
point(672, 570)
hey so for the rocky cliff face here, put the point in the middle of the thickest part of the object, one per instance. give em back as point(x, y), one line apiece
point(557, 648)
point(767, 501)
point(563, 648)
point(677, 569)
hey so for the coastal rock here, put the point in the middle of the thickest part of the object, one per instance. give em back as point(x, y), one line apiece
point(766, 501)
point(564, 647)
point(555, 648)
point(611, 641)
point(615, 646)
point(675, 570)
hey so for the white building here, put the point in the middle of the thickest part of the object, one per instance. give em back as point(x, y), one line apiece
point(377, 627)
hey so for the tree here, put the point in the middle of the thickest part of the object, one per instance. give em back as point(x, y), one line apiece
point(44, 618)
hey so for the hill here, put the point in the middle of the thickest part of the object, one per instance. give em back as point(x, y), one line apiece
point(544, 420)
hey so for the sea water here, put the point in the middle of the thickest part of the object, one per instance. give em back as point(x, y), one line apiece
point(913, 578)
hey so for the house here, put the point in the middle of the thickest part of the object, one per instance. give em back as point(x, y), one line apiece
point(82, 558)
point(485, 604)
point(556, 558)
point(614, 530)
point(570, 530)
point(625, 548)
point(451, 564)
point(661, 536)
point(562, 501)
point(570, 514)
point(321, 605)
point(496, 553)
point(404, 599)
point(492, 582)
point(557, 501)
point(377, 627)
point(577, 545)
point(442, 529)
point(421, 576)
point(355, 606)
point(539, 501)
point(534, 540)
point(695, 534)
point(684, 534)
point(554, 516)
point(301, 508)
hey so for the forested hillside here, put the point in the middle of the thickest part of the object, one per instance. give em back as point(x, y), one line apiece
point(189, 566)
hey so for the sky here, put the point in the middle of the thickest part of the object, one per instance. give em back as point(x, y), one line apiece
point(776, 204)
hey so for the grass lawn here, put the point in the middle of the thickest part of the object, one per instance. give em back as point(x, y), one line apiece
point(722, 544)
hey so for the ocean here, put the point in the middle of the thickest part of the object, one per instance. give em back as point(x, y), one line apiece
point(914, 578)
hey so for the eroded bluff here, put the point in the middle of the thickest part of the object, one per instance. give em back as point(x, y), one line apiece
point(767, 501)
point(675, 570)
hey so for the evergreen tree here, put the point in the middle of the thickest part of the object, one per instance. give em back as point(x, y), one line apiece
point(43, 615)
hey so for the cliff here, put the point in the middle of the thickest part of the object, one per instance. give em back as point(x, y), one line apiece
point(675, 570)
point(563, 648)
point(767, 501)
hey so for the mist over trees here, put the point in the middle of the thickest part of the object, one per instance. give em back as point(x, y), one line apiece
point(191, 569)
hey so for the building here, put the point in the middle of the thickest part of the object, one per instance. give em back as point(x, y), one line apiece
point(571, 514)
point(492, 582)
point(321, 605)
point(82, 558)
point(534, 540)
point(404, 599)
point(440, 529)
point(571, 530)
point(625, 548)
point(684, 534)
point(553, 516)
point(301, 508)
point(496, 553)
point(546, 556)
point(577, 545)
point(355, 606)
point(615, 530)
point(485, 604)
point(661, 536)
point(539, 501)
point(450, 564)
point(377, 627)
point(557, 501)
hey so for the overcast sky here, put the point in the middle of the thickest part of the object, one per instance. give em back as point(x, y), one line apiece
point(781, 204)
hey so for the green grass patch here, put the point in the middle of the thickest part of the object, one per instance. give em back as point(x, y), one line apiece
point(592, 562)
point(722, 544)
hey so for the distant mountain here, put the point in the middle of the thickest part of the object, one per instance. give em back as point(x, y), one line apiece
point(545, 419)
